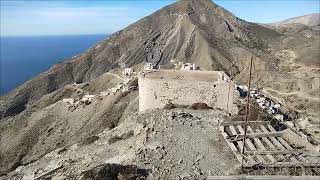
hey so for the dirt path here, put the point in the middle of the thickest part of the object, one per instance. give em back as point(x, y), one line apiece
point(298, 93)
point(119, 77)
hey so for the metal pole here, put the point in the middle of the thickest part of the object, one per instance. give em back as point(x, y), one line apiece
point(247, 112)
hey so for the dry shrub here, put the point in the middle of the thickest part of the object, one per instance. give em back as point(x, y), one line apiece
point(169, 106)
point(62, 150)
point(197, 106)
point(121, 137)
point(172, 106)
point(89, 140)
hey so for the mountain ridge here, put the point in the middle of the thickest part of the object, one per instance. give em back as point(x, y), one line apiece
point(196, 31)
point(106, 55)
point(310, 20)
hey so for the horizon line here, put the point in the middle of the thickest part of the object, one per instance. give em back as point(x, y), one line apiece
point(41, 35)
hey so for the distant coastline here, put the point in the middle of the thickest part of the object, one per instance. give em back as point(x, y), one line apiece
point(23, 57)
point(50, 35)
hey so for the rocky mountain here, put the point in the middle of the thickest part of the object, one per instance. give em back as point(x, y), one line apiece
point(188, 31)
point(34, 120)
point(310, 20)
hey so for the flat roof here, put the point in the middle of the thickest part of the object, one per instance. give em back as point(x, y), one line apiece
point(189, 75)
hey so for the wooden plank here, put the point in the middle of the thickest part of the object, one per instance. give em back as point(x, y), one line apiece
point(272, 152)
point(261, 146)
point(299, 157)
point(278, 144)
point(232, 147)
point(251, 146)
point(240, 143)
point(265, 139)
point(255, 135)
point(285, 164)
point(285, 144)
point(250, 158)
point(234, 123)
point(221, 128)
point(233, 130)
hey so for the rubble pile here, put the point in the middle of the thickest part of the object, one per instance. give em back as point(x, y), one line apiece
point(298, 124)
point(84, 98)
point(265, 103)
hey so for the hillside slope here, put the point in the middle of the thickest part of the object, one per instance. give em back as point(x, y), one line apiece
point(188, 31)
point(310, 20)
point(198, 31)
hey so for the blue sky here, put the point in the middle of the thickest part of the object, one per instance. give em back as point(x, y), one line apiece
point(63, 17)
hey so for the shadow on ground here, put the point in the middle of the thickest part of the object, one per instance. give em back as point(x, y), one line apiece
point(115, 172)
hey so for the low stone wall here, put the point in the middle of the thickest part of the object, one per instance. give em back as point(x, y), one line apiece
point(157, 92)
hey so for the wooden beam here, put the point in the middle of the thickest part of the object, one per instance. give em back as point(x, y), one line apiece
point(261, 146)
point(251, 146)
point(233, 147)
point(269, 143)
point(284, 164)
point(233, 130)
point(285, 144)
point(221, 128)
point(278, 144)
point(227, 123)
point(240, 144)
point(255, 135)
point(272, 152)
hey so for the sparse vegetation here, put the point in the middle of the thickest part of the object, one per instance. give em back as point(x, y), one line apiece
point(88, 140)
point(172, 106)
point(62, 150)
point(121, 137)
point(197, 106)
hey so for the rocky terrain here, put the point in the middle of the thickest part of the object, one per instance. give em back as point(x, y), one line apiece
point(158, 144)
point(35, 123)
point(165, 143)
point(310, 20)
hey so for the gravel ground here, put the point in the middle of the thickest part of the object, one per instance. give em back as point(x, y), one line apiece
point(168, 144)
point(186, 144)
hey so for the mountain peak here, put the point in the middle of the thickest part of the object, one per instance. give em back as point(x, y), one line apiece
point(188, 31)
point(198, 8)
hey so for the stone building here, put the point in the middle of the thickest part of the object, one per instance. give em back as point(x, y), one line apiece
point(128, 72)
point(149, 66)
point(161, 87)
point(189, 66)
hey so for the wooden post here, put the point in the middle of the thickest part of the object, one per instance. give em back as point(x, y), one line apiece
point(228, 99)
point(247, 112)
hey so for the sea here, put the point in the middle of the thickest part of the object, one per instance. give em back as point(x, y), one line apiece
point(22, 58)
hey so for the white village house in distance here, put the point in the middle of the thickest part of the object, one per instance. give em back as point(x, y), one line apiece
point(189, 66)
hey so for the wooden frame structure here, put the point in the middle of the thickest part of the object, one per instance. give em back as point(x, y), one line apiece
point(264, 146)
